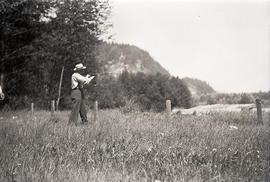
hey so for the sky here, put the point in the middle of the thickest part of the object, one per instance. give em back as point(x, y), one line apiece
point(225, 43)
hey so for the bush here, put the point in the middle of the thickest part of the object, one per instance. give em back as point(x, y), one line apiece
point(245, 99)
point(211, 101)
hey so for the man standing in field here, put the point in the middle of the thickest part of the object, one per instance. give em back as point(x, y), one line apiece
point(77, 94)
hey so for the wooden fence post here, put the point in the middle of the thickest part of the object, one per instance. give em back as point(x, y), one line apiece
point(95, 111)
point(32, 108)
point(59, 88)
point(168, 108)
point(259, 111)
point(52, 107)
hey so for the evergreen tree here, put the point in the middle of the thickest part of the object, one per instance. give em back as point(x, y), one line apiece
point(20, 26)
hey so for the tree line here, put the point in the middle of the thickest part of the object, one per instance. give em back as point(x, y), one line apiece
point(233, 98)
point(139, 91)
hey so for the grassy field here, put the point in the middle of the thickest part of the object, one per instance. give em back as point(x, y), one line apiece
point(134, 147)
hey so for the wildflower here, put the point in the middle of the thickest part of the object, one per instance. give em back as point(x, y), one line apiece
point(161, 134)
point(233, 127)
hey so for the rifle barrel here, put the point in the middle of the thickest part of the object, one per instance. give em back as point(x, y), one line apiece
point(105, 73)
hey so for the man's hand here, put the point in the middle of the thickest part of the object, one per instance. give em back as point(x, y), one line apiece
point(89, 78)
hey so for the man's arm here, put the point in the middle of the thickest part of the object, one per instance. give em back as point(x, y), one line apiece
point(83, 79)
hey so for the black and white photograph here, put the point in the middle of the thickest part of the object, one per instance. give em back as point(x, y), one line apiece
point(135, 90)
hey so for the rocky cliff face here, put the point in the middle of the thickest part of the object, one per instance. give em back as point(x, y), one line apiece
point(116, 58)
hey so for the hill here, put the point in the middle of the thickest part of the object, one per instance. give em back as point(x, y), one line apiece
point(198, 87)
point(116, 58)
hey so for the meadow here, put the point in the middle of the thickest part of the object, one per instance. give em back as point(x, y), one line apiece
point(134, 146)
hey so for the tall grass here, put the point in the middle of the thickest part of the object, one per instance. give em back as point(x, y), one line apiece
point(134, 147)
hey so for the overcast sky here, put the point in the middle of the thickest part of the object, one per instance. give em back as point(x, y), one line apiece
point(226, 43)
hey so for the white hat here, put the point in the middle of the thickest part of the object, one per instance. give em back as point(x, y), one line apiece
point(79, 66)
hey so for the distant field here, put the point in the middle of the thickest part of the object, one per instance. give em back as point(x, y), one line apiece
point(203, 109)
point(134, 147)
